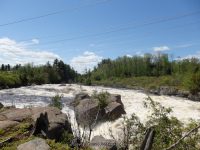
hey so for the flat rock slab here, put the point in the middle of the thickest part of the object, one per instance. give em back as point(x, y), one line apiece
point(36, 144)
point(7, 124)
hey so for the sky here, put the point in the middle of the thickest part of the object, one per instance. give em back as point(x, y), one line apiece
point(83, 32)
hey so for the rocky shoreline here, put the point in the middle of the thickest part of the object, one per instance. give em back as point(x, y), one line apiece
point(36, 125)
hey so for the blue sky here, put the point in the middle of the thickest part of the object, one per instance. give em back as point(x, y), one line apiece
point(70, 35)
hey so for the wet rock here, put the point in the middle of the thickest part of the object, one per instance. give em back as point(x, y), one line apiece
point(99, 142)
point(36, 144)
point(114, 110)
point(195, 97)
point(166, 90)
point(1, 105)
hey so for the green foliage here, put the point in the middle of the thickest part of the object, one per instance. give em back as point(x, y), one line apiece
point(56, 101)
point(57, 146)
point(148, 71)
point(29, 74)
point(168, 129)
point(66, 137)
point(194, 83)
point(102, 98)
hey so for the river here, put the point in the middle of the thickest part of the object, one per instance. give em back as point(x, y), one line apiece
point(40, 95)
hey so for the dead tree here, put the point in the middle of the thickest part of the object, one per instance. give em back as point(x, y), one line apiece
point(148, 139)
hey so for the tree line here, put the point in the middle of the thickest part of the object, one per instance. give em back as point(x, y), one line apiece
point(28, 74)
point(186, 71)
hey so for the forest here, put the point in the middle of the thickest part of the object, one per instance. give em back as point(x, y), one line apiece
point(28, 74)
point(148, 71)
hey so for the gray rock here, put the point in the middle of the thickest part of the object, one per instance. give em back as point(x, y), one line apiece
point(166, 90)
point(7, 124)
point(114, 110)
point(49, 121)
point(88, 111)
point(183, 93)
point(36, 144)
point(99, 142)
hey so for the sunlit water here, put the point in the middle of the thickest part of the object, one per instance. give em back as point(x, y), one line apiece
point(34, 96)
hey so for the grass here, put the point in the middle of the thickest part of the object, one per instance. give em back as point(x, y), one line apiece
point(144, 82)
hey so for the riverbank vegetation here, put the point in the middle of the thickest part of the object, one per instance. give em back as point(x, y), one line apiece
point(18, 75)
point(148, 72)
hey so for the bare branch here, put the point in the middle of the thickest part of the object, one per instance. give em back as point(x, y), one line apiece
point(182, 138)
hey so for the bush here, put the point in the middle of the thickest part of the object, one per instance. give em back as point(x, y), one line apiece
point(168, 130)
point(102, 98)
point(56, 101)
point(194, 83)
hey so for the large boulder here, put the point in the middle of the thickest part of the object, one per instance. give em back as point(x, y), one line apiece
point(99, 142)
point(88, 110)
point(36, 144)
point(114, 110)
point(49, 121)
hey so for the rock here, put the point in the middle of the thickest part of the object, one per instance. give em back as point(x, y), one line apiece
point(49, 121)
point(7, 124)
point(79, 97)
point(99, 142)
point(16, 114)
point(87, 109)
point(195, 97)
point(36, 144)
point(114, 110)
point(166, 90)
point(154, 91)
point(183, 93)
point(1, 105)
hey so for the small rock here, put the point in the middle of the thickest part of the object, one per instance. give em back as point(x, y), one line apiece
point(36, 144)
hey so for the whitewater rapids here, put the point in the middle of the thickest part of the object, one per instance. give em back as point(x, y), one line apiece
point(40, 95)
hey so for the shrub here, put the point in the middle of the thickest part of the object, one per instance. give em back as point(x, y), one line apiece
point(56, 101)
point(102, 98)
point(168, 130)
point(194, 83)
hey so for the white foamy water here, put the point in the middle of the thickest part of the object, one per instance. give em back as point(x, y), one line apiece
point(133, 100)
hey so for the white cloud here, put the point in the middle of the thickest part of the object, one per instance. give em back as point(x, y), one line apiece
point(12, 52)
point(197, 55)
point(85, 61)
point(128, 55)
point(35, 41)
point(161, 48)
